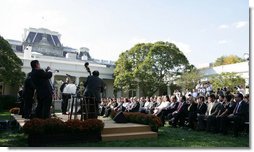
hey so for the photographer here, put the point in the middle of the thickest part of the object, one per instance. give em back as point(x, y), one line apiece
point(93, 87)
point(41, 81)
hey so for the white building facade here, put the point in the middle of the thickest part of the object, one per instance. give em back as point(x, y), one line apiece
point(45, 46)
point(242, 69)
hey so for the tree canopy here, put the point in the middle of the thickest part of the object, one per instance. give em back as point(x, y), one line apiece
point(10, 65)
point(227, 79)
point(223, 60)
point(189, 79)
point(149, 66)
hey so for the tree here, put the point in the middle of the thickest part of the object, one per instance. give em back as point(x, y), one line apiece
point(227, 79)
point(223, 60)
point(189, 79)
point(10, 65)
point(149, 66)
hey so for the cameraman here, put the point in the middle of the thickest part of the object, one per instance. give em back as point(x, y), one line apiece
point(41, 80)
point(93, 87)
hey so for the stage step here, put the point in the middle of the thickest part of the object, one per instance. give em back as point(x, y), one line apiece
point(128, 136)
point(122, 129)
point(19, 119)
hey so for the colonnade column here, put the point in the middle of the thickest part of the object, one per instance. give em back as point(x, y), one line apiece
point(77, 81)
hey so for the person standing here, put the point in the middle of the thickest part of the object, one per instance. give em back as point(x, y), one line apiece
point(28, 95)
point(41, 81)
point(65, 97)
point(93, 87)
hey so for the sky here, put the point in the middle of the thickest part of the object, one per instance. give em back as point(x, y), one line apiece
point(203, 29)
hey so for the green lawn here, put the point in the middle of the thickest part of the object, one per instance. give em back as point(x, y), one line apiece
point(168, 137)
point(5, 115)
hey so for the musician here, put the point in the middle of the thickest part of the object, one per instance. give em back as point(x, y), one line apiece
point(41, 81)
point(93, 87)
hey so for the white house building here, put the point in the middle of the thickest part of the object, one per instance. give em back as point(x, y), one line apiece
point(241, 68)
point(45, 45)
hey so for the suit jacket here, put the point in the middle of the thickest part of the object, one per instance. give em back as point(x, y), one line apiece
point(41, 79)
point(201, 109)
point(192, 109)
point(152, 105)
point(183, 109)
point(29, 88)
point(135, 107)
point(173, 107)
point(242, 110)
point(215, 107)
point(119, 106)
point(94, 86)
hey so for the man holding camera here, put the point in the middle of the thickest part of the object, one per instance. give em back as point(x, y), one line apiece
point(44, 90)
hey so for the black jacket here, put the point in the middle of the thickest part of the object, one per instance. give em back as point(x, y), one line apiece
point(29, 88)
point(192, 109)
point(94, 86)
point(201, 109)
point(41, 79)
point(242, 111)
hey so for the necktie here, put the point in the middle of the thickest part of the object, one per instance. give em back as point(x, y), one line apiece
point(179, 106)
point(238, 107)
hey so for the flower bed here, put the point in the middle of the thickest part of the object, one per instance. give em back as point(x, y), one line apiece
point(54, 131)
point(135, 117)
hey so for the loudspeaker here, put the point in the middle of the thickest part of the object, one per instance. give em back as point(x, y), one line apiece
point(120, 118)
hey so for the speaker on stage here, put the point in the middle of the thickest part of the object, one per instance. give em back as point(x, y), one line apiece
point(120, 118)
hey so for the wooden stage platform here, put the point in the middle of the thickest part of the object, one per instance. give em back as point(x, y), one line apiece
point(112, 131)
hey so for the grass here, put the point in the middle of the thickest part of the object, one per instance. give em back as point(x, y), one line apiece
point(5, 115)
point(168, 137)
point(176, 137)
point(12, 139)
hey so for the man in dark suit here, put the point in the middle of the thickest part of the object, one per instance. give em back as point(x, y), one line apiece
point(93, 87)
point(44, 90)
point(192, 113)
point(239, 115)
point(216, 107)
point(201, 107)
point(180, 113)
point(134, 106)
point(28, 95)
point(212, 110)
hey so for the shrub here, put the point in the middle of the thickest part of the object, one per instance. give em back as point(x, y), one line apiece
point(7, 102)
point(14, 110)
point(57, 126)
point(54, 125)
point(94, 125)
point(34, 126)
point(135, 117)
